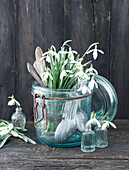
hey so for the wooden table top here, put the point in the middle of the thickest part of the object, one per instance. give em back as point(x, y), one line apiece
point(17, 154)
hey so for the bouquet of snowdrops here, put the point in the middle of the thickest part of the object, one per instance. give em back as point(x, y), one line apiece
point(64, 69)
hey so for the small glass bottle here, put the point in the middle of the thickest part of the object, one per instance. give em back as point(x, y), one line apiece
point(18, 119)
point(88, 140)
point(101, 137)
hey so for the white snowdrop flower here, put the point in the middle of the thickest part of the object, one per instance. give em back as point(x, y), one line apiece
point(13, 101)
point(6, 130)
point(48, 59)
point(85, 76)
point(107, 123)
point(3, 131)
point(95, 52)
point(91, 69)
point(10, 126)
point(64, 73)
point(46, 75)
point(71, 55)
point(78, 65)
point(92, 84)
point(93, 121)
point(79, 73)
point(84, 89)
point(46, 55)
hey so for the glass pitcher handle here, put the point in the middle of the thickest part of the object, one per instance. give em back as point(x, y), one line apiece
point(104, 99)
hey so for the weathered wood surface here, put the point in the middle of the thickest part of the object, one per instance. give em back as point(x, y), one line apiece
point(39, 24)
point(119, 60)
point(26, 24)
point(17, 154)
point(7, 56)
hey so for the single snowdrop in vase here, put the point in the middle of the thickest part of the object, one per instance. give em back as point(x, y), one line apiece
point(18, 118)
point(102, 133)
point(88, 135)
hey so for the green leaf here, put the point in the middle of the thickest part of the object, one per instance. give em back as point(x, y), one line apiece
point(53, 73)
point(5, 140)
point(25, 138)
point(30, 140)
point(1, 120)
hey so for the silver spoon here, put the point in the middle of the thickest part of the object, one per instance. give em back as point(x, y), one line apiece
point(67, 127)
point(34, 74)
point(39, 64)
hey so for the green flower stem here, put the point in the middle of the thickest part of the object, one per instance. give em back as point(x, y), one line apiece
point(6, 137)
point(53, 72)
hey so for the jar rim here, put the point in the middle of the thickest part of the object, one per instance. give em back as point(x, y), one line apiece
point(36, 86)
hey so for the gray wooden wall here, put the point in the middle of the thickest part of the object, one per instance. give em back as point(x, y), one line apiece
point(26, 24)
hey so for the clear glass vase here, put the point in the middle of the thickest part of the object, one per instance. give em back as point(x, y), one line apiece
point(67, 112)
point(101, 137)
point(65, 119)
point(18, 119)
point(88, 141)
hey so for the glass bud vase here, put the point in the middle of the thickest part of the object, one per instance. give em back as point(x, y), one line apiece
point(101, 138)
point(18, 119)
point(88, 141)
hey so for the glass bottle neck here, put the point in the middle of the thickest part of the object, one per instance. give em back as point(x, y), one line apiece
point(18, 109)
point(88, 128)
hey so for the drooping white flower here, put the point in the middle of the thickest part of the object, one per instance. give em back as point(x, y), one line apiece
point(5, 130)
point(46, 75)
point(64, 73)
point(95, 52)
point(92, 84)
point(93, 121)
point(107, 123)
point(46, 55)
point(8, 129)
point(91, 69)
point(71, 55)
point(80, 73)
point(13, 101)
point(84, 89)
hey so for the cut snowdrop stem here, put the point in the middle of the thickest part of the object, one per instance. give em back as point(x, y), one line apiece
point(7, 130)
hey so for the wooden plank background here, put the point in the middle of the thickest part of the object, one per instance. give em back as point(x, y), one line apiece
point(26, 24)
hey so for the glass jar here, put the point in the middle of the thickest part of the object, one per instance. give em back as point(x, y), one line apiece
point(67, 111)
point(18, 119)
point(101, 137)
point(88, 141)
point(61, 114)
